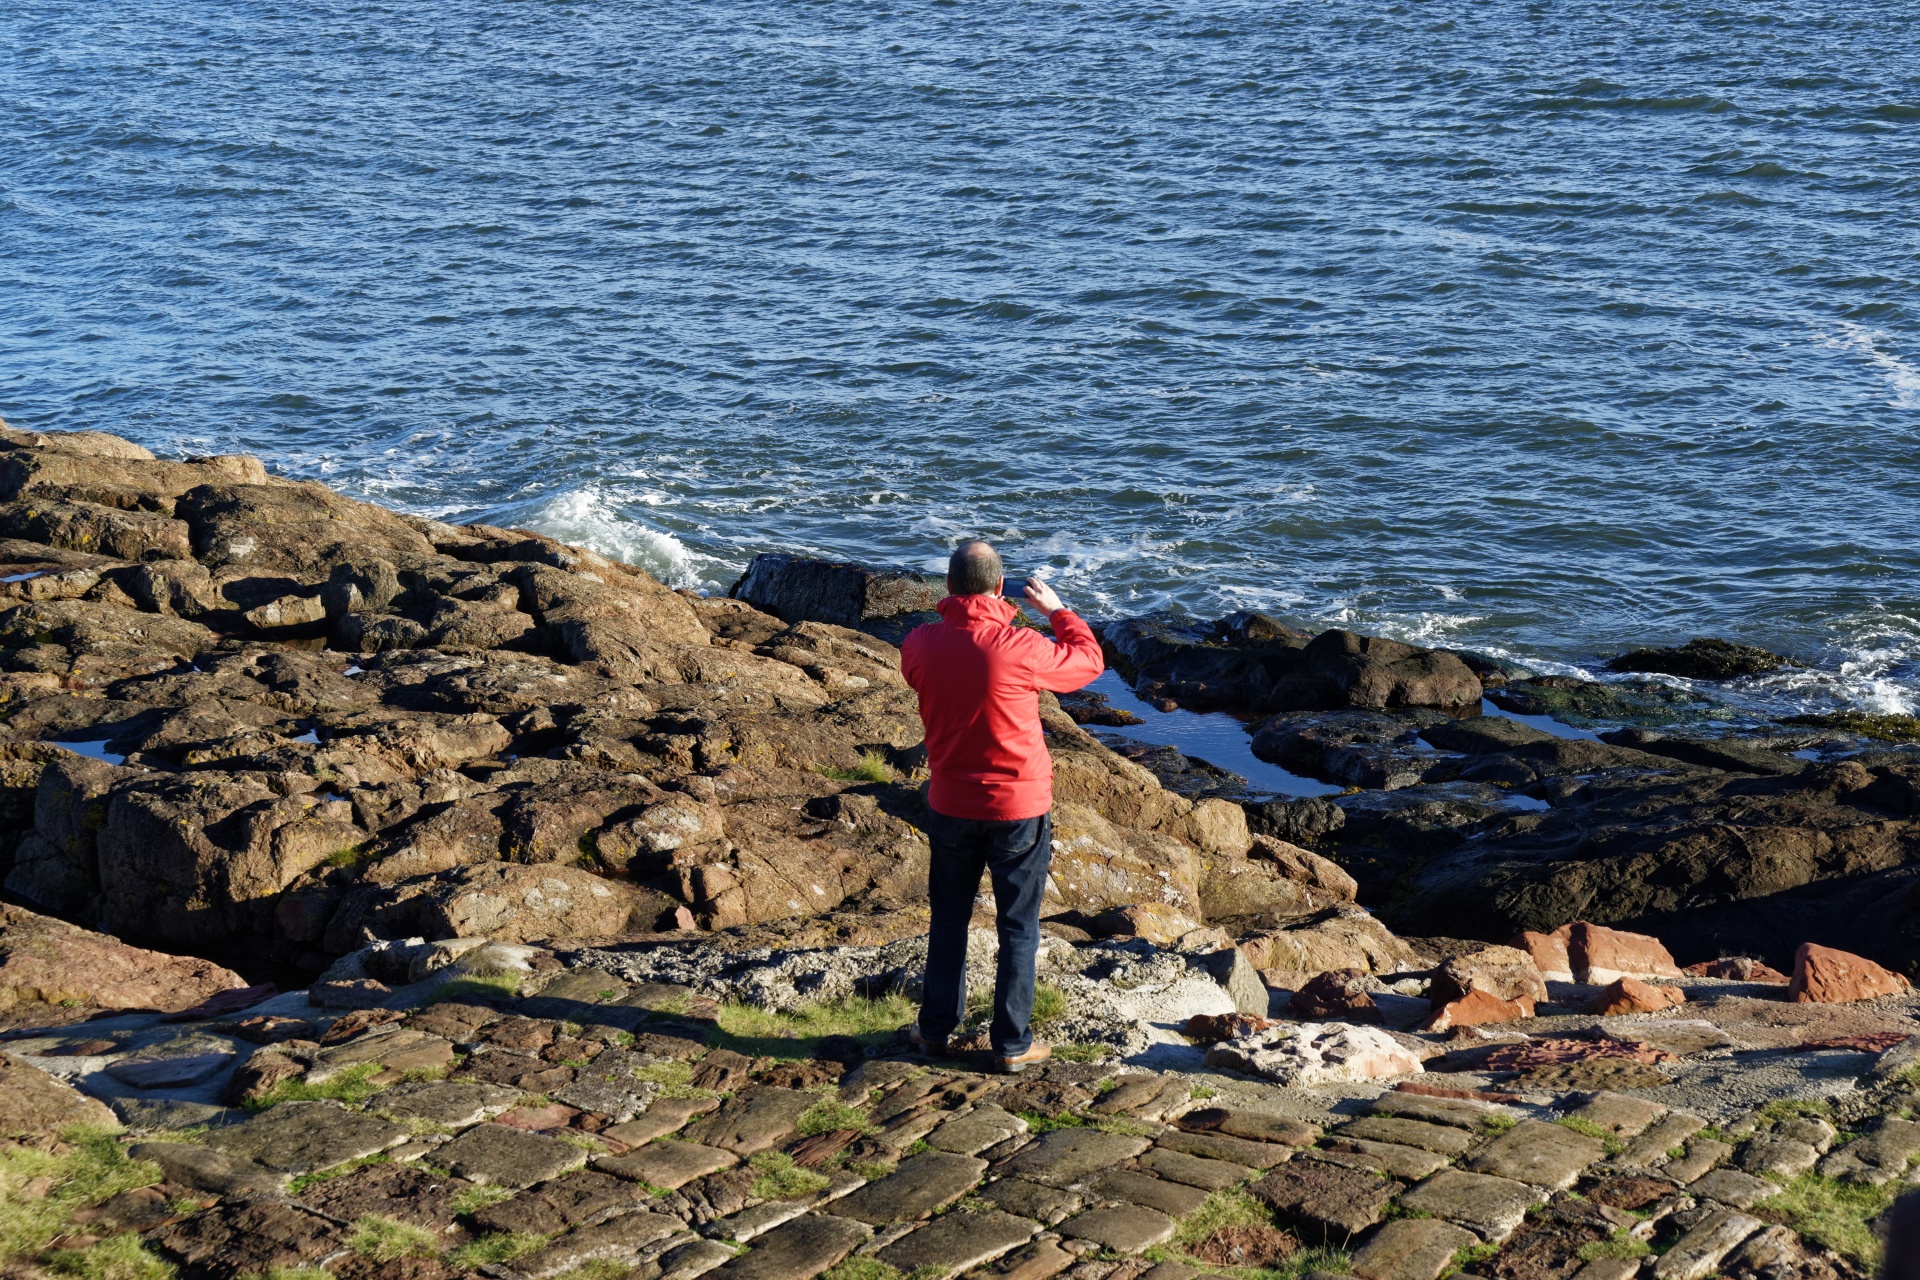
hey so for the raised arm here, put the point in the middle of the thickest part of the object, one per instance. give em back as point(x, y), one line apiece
point(1074, 661)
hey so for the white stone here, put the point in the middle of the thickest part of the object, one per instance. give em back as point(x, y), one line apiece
point(1322, 1053)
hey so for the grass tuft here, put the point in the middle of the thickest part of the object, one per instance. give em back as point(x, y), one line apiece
point(115, 1258)
point(92, 1167)
point(478, 986)
point(469, 1200)
point(782, 1179)
point(758, 1032)
point(1498, 1123)
point(873, 767)
point(381, 1239)
point(830, 1115)
point(1077, 1051)
point(1609, 1141)
point(500, 1246)
point(1836, 1214)
point(1617, 1245)
point(674, 1079)
point(351, 1085)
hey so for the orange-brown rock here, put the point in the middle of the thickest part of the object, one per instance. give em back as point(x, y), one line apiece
point(1549, 952)
point(1339, 994)
point(1157, 923)
point(1506, 972)
point(1630, 995)
point(1214, 1027)
point(1738, 969)
point(1477, 1008)
point(50, 962)
point(1600, 955)
point(1822, 975)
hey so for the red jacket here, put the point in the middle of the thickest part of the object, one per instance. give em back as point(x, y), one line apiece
point(979, 677)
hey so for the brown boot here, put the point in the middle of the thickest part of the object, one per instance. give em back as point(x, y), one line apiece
point(926, 1044)
point(1013, 1066)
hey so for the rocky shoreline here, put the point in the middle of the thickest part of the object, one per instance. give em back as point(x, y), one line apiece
point(595, 899)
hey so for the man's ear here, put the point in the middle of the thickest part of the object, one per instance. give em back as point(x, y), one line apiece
point(1001, 589)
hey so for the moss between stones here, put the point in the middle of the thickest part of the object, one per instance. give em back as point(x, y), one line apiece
point(830, 1115)
point(500, 1246)
point(781, 1179)
point(351, 1085)
point(1834, 1213)
point(383, 1239)
point(307, 1180)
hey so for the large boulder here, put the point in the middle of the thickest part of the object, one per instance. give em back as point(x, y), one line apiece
point(45, 962)
point(1704, 659)
point(1344, 669)
point(300, 529)
point(803, 589)
point(36, 1107)
point(1235, 661)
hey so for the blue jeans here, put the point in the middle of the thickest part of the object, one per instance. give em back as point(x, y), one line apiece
point(1017, 855)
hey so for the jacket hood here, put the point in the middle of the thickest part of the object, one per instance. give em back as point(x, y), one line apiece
point(974, 611)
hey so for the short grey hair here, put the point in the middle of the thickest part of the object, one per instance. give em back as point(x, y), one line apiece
point(974, 570)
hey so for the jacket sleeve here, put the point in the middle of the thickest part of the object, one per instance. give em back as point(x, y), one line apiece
point(1073, 661)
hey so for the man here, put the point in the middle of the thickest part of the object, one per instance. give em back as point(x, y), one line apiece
point(979, 679)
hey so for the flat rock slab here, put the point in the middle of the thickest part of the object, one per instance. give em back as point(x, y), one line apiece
point(584, 1196)
point(1701, 1156)
point(1546, 1155)
point(1255, 1126)
point(1879, 1157)
point(1445, 1140)
point(249, 1237)
point(1461, 1113)
point(693, 1259)
point(984, 1126)
point(1407, 1163)
point(668, 1165)
point(1771, 1153)
point(921, 1184)
point(1036, 1200)
point(662, 1117)
point(400, 1049)
point(394, 1189)
point(1619, 1114)
point(499, 1156)
point(305, 1137)
point(1326, 1200)
point(1732, 1188)
point(1174, 1199)
point(959, 1241)
point(453, 1103)
point(203, 1168)
point(618, 1238)
point(1492, 1208)
point(1068, 1155)
point(1221, 1146)
point(1664, 1134)
point(753, 1120)
point(1699, 1252)
point(1195, 1171)
point(1125, 1229)
point(799, 1250)
point(169, 1073)
point(1132, 1094)
point(608, 1087)
point(1412, 1249)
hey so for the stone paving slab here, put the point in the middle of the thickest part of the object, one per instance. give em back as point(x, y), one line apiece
point(1037, 1200)
point(1068, 1155)
point(1407, 1163)
point(618, 1238)
point(1774, 1154)
point(1733, 1188)
point(1127, 1229)
point(1699, 1252)
point(921, 1184)
point(1669, 1131)
point(693, 1259)
point(1130, 1093)
point(1412, 1249)
point(305, 1137)
point(206, 1169)
point(170, 1072)
point(1222, 1146)
point(1195, 1171)
point(453, 1103)
point(1461, 1113)
point(984, 1126)
point(1174, 1199)
point(1702, 1155)
point(1620, 1114)
point(756, 1220)
point(1546, 1155)
point(667, 1164)
point(662, 1117)
point(1255, 1126)
point(754, 1120)
point(1492, 1208)
point(959, 1241)
point(1440, 1139)
point(799, 1250)
point(580, 1198)
point(1879, 1157)
point(1327, 1202)
point(500, 1156)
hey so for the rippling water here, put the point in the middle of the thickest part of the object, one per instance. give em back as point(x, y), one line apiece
point(1537, 328)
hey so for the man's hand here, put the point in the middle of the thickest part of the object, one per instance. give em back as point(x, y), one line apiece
point(1042, 597)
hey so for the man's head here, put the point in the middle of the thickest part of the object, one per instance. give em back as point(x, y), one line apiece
point(974, 570)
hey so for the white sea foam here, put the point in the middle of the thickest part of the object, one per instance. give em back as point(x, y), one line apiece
point(1902, 377)
point(592, 517)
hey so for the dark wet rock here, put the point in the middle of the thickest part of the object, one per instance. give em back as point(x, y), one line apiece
point(1704, 659)
point(1588, 702)
point(1355, 748)
point(1482, 735)
point(1733, 755)
point(1204, 663)
point(1087, 707)
point(800, 589)
point(1181, 774)
point(1340, 668)
point(1301, 822)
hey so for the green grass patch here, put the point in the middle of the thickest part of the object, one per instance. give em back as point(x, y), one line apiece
point(120, 1257)
point(354, 855)
point(1609, 1141)
point(758, 1032)
point(479, 986)
point(830, 1115)
point(674, 1079)
point(350, 1085)
point(93, 1167)
point(382, 1239)
point(1796, 1108)
point(1498, 1124)
point(473, 1199)
point(1835, 1214)
point(1200, 1093)
point(872, 767)
point(1038, 1124)
point(319, 1176)
point(500, 1246)
point(1078, 1051)
point(1128, 1125)
point(1220, 1210)
point(871, 1170)
point(782, 1179)
point(1473, 1255)
point(1617, 1245)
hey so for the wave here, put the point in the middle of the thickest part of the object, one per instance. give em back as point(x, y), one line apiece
point(592, 516)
